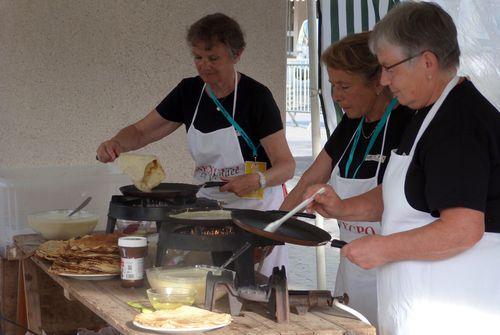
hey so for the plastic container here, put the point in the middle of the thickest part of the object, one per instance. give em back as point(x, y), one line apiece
point(191, 278)
point(170, 297)
point(56, 225)
point(133, 250)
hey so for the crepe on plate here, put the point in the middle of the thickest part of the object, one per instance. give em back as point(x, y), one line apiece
point(90, 254)
point(145, 170)
point(184, 317)
point(86, 266)
point(51, 250)
point(102, 243)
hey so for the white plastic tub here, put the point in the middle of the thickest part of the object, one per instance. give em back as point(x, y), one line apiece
point(192, 278)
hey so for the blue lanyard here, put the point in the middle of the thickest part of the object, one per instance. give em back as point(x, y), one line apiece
point(378, 129)
point(233, 122)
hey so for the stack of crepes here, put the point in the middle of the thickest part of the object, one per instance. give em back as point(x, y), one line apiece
point(183, 318)
point(90, 254)
point(145, 170)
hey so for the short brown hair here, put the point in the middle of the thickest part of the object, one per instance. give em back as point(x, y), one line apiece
point(217, 27)
point(351, 54)
point(418, 26)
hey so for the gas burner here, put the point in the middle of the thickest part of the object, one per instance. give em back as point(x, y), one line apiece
point(163, 203)
point(207, 231)
point(219, 237)
point(276, 294)
point(144, 209)
point(167, 202)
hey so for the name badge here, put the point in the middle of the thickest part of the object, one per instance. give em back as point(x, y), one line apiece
point(253, 167)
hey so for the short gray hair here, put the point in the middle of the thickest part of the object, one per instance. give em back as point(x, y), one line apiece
point(418, 26)
point(217, 27)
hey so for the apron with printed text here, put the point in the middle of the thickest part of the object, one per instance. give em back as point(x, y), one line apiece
point(457, 295)
point(217, 154)
point(359, 284)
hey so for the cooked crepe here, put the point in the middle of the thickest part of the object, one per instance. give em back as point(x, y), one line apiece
point(99, 243)
point(184, 317)
point(86, 266)
point(51, 250)
point(145, 170)
point(218, 214)
point(90, 254)
point(86, 254)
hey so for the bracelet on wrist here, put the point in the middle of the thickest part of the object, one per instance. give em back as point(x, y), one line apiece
point(262, 179)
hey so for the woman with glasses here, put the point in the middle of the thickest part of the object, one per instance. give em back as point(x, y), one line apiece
point(438, 252)
point(356, 155)
point(234, 128)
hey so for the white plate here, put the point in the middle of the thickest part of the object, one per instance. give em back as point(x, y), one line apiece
point(99, 276)
point(177, 330)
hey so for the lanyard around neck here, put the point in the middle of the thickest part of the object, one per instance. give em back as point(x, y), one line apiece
point(378, 129)
point(233, 122)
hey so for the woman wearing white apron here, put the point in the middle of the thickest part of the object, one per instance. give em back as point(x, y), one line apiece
point(359, 284)
point(438, 252)
point(357, 152)
point(246, 147)
point(220, 151)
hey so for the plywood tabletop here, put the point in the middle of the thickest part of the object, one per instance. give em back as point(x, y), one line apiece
point(108, 300)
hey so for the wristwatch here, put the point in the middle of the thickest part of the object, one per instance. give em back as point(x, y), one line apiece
point(262, 179)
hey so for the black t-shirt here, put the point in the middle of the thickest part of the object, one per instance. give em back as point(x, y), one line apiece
point(256, 111)
point(457, 160)
point(336, 144)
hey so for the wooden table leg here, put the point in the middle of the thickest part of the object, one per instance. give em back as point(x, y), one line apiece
point(21, 301)
point(32, 295)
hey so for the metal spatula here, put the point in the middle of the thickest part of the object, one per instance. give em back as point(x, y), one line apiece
point(273, 226)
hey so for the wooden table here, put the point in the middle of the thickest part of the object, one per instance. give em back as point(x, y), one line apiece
point(107, 299)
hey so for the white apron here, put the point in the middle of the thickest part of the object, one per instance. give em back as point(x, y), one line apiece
point(218, 154)
point(458, 295)
point(359, 284)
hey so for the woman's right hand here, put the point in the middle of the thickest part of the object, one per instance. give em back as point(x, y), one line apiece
point(108, 151)
point(327, 204)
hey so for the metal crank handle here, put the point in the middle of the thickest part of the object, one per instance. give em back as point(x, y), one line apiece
point(338, 243)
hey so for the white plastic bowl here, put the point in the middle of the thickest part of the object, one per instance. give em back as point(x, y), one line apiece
point(192, 278)
point(56, 225)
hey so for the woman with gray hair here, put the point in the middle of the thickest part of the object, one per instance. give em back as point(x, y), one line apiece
point(234, 128)
point(438, 252)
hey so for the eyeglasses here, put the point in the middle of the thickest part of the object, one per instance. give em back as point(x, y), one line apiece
point(387, 68)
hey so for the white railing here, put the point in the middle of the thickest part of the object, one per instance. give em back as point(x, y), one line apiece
point(297, 88)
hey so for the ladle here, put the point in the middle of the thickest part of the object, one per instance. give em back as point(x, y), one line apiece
point(81, 206)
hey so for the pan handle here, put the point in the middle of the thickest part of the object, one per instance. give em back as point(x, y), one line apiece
point(300, 215)
point(214, 184)
point(338, 243)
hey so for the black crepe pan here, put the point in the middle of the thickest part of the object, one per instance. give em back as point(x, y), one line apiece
point(168, 190)
point(292, 231)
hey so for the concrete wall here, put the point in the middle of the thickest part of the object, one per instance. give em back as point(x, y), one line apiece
point(72, 72)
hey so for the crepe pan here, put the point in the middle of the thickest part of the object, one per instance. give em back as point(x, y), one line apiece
point(293, 231)
point(168, 190)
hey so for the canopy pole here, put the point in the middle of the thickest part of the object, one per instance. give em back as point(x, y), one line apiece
point(312, 29)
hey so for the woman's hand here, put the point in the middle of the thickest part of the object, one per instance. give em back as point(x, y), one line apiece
point(327, 204)
point(366, 252)
point(151, 128)
point(108, 151)
point(241, 185)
